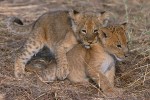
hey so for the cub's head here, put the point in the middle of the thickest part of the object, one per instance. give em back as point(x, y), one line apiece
point(86, 24)
point(114, 40)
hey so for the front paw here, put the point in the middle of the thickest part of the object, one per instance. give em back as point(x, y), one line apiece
point(62, 72)
point(19, 74)
point(115, 92)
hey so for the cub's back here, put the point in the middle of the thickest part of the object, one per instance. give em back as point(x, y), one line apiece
point(55, 21)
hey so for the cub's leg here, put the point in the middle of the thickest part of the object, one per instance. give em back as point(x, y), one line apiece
point(62, 63)
point(110, 74)
point(30, 48)
point(99, 78)
point(61, 50)
point(77, 70)
point(46, 72)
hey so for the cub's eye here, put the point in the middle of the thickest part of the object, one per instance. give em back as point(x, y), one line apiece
point(95, 31)
point(83, 31)
point(119, 46)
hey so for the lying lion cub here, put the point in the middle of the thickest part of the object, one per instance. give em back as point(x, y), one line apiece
point(96, 63)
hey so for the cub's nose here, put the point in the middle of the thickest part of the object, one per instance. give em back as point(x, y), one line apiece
point(90, 42)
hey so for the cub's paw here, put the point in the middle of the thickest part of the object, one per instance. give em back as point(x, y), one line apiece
point(115, 92)
point(46, 77)
point(48, 74)
point(19, 74)
point(62, 72)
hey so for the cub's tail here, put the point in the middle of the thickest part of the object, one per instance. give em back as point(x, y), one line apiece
point(15, 25)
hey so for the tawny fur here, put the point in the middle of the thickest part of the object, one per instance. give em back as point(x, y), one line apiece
point(59, 31)
point(98, 62)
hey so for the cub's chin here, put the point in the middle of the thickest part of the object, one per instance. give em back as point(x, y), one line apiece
point(87, 46)
point(118, 58)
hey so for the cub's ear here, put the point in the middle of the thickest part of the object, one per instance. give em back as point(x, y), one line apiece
point(104, 33)
point(103, 18)
point(124, 25)
point(75, 15)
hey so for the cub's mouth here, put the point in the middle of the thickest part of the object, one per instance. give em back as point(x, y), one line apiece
point(87, 46)
point(119, 58)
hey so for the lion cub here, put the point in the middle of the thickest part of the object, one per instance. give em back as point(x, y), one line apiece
point(59, 31)
point(99, 60)
point(96, 63)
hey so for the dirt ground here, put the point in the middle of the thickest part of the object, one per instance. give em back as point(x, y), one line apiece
point(133, 75)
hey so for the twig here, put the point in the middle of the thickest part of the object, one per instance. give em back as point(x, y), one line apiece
point(127, 16)
point(40, 95)
point(98, 89)
point(126, 9)
point(131, 84)
point(132, 70)
point(145, 74)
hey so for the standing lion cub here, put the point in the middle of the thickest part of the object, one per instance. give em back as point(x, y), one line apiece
point(59, 31)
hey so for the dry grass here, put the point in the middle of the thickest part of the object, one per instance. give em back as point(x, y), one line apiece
point(133, 74)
